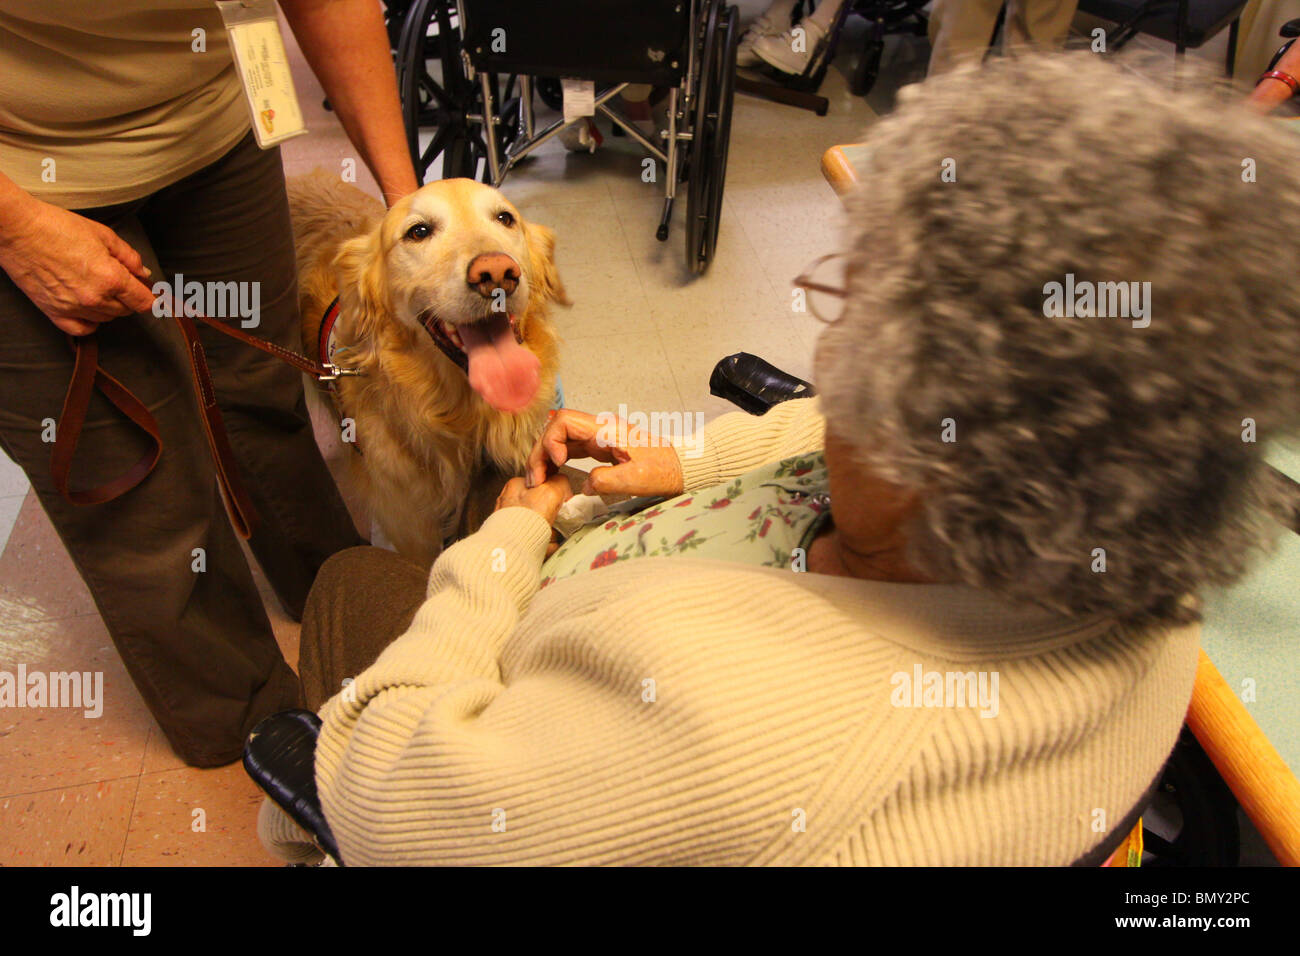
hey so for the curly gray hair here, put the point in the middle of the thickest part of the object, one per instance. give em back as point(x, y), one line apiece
point(1073, 434)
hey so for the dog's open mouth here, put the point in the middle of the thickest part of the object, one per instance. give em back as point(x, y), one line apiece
point(491, 353)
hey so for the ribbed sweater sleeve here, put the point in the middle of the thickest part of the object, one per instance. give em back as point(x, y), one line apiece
point(739, 442)
point(595, 739)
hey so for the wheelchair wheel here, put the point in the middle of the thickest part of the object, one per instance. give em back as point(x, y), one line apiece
point(549, 92)
point(710, 135)
point(1196, 810)
point(868, 67)
point(427, 101)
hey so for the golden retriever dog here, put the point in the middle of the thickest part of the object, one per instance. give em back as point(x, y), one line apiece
point(442, 313)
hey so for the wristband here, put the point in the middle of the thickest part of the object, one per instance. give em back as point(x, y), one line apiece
point(1286, 78)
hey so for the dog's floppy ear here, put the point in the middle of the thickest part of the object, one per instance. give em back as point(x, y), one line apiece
point(363, 283)
point(541, 250)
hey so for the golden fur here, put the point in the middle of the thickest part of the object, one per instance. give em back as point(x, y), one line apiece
point(425, 436)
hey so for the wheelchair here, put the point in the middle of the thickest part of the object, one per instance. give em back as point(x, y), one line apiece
point(471, 70)
point(884, 18)
point(1187, 818)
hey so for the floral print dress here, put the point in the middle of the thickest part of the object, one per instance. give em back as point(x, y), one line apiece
point(760, 518)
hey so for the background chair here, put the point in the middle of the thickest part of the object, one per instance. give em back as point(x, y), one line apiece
point(884, 17)
point(1187, 24)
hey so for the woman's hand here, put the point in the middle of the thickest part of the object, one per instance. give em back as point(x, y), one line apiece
point(545, 499)
point(77, 271)
point(639, 467)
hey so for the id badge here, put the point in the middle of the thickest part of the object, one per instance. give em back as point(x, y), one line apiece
point(263, 68)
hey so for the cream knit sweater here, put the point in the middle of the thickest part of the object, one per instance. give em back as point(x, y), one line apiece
point(684, 711)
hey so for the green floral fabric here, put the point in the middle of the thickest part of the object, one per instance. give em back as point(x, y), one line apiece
point(758, 518)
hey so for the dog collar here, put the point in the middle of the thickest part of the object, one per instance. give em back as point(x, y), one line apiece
point(327, 350)
point(325, 345)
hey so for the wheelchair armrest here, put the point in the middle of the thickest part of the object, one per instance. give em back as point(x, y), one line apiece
point(755, 385)
point(280, 756)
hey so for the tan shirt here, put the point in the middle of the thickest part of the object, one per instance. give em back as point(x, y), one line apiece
point(102, 103)
point(685, 711)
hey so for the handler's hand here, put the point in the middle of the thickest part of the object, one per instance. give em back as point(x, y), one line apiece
point(77, 271)
point(639, 467)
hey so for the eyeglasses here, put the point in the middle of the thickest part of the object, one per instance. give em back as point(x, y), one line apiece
point(823, 280)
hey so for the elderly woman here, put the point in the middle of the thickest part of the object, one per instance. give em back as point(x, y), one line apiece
point(945, 613)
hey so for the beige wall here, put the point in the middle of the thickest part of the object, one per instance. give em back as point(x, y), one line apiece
point(1258, 39)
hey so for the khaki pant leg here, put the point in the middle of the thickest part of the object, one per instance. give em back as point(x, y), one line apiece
point(1038, 24)
point(230, 223)
point(363, 600)
point(960, 32)
point(197, 643)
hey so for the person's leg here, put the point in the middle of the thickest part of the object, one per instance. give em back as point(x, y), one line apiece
point(363, 599)
point(773, 21)
point(825, 14)
point(162, 563)
point(792, 51)
point(960, 32)
point(229, 223)
point(1038, 24)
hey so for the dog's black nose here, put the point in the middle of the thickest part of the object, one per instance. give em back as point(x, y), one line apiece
point(491, 271)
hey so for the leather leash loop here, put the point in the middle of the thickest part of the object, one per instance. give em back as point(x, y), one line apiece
point(87, 376)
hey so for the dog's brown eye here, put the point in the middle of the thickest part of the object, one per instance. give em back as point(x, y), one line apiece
point(505, 218)
point(419, 231)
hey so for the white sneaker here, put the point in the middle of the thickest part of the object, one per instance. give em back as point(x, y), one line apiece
point(582, 137)
point(780, 51)
point(745, 55)
point(766, 25)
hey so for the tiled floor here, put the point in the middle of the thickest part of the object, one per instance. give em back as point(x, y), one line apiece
point(109, 790)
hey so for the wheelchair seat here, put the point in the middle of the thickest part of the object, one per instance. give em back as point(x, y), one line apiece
point(640, 42)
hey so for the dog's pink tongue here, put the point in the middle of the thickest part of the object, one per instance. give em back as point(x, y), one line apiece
point(505, 373)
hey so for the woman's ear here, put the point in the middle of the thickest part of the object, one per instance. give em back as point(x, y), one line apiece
point(362, 283)
point(541, 250)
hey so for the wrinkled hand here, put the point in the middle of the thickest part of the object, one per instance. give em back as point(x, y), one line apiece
point(77, 271)
point(545, 499)
point(638, 467)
